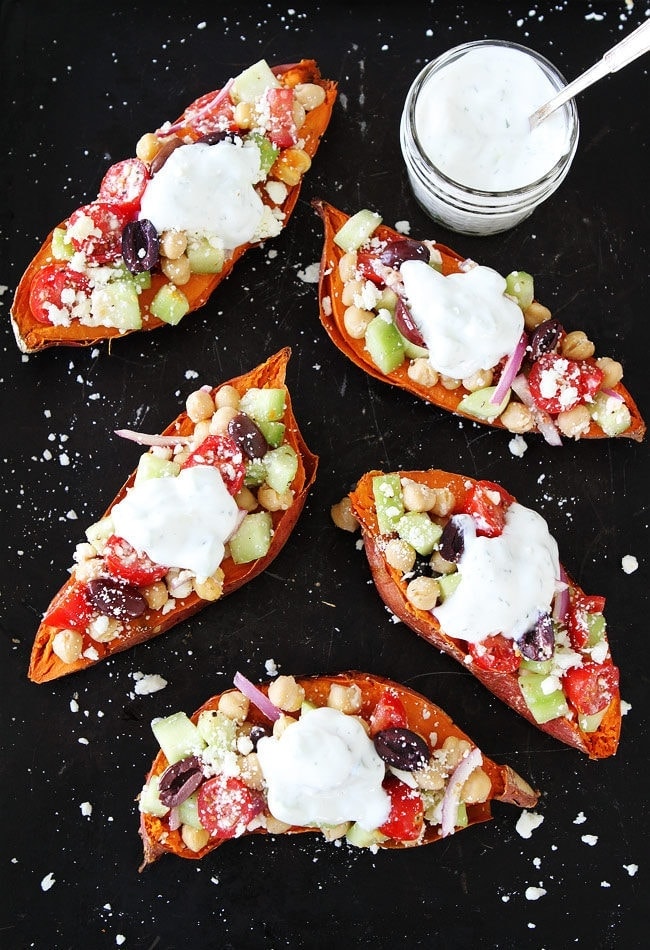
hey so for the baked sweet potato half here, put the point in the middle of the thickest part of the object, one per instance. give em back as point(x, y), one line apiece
point(418, 315)
point(478, 576)
point(169, 224)
point(352, 756)
point(210, 505)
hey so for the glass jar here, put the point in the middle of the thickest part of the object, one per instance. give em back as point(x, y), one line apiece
point(482, 199)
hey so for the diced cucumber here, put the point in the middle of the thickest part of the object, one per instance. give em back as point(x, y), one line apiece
point(389, 502)
point(264, 405)
point(462, 818)
point(387, 300)
point(99, 532)
point(251, 83)
point(252, 539)
point(596, 627)
point(610, 413)
point(177, 736)
point(306, 706)
point(521, 286)
point(188, 812)
point(536, 666)
point(281, 465)
point(255, 473)
point(204, 257)
point(116, 305)
point(543, 706)
point(417, 528)
point(357, 230)
point(149, 802)
point(447, 584)
point(362, 838)
point(385, 344)
point(268, 151)
point(273, 432)
point(414, 352)
point(152, 466)
point(169, 305)
point(478, 403)
point(142, 280)
point(591, 723)
point(217, 728)
point(62, 250)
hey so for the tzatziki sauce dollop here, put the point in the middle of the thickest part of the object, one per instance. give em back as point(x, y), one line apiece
point(465, 319)
point(180, 521)
point(324, 770)
point(506, 582)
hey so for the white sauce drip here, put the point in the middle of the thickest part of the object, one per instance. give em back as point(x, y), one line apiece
point(505, 582)
point(472, 120)
point(324, 770)
point(180, 521)
point(207, 190)
point(465, 319)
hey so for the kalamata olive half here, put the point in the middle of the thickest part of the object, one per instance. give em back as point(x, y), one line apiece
point(140, 246)
point(538, 642)
point(169, 145)
point(115, 598)
point(404, 249)
point(452, 540)
point(546, 338)
point(179, 781)
point(402, 748)
point(220, 135)
point(406, 324)
point(248, 436)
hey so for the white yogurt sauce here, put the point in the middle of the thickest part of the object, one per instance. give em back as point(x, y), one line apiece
point(472, 120)
point(324, 770)
point(505, 582)
point(181, 521)
point(465, 319)
point(207, 190)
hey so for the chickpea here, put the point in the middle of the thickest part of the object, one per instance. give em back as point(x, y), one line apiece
point(356, 322)
point(177, 271)
point(444, 502)
point(272, 500)
point(194, 838)
point(286, 693)
point(309, 95)
point(422, 372)
point(449, 382)
point(574, 422)
point(347, 699)
point(400, 555)
point(440, 565)
point(199, 405)
point(156, 595)
point(201, 432)
point(227, 396)
point(342, 516)
point(453, 751)
point(147, 147)
point(352, 289)
point(67, 645)
point(221, 418)
point(210, 588)
point(243, 115)
point(476, 788)
point(281, 724)
point(173, 244)
point(251, 771)
point(348, 266)
point(577, 346)
point(417, 497)
point(612, 371)
point(291, 166)
point(517, 418)
point(478, 380)
point(423, 593)
point(245, 499)
point(535, 314)
point(299, 114)
point(274, 826)
point(234, 705)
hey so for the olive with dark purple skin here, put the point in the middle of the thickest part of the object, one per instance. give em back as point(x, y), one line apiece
point(404, 249)
point(257, 733)
point(248, 436)
point(546, 338)
point(538, 642)
point(169, 145)
point(406, 324)
point(213, 138)
point(422, 568)
point(452, 540)
point(115, 598)
point(402, 748)
point(179, 781)
point(140, 246)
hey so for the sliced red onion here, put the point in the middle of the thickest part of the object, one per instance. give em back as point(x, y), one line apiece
point(451, 799)
point(208, 107)
point(510, 370)
point(257, 697)
point(174, 819)
point(561, 600)
point(542, 419)
point(143, 438)
point(612, 394)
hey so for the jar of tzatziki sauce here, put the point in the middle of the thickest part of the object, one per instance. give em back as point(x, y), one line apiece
point(473, 162)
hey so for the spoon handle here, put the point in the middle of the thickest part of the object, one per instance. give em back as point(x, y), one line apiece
point(634, 45)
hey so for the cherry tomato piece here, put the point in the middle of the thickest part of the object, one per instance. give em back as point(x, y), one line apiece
point(225, 455)
point(124, 183)
point(281, 125)
point(389, 713)
point(122, 560)
point(487, 503)
point(406, 817)
point(558, 383)
point(56, 288)
point(496, 654)
point(590, 688)
point(227, 806)
point(95, 230)
point(581, 606)
point(211, 112)
point(72, 610)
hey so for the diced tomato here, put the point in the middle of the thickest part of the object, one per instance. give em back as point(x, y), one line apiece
point(496, 653)
point(580, 606)
point(591, 687)
point(281, 125)
point(211, 112)
point(122, 560)
point(487, 503)
point(226, 806)
point(557, 383)
point(72, 610)
point(56, 286)
point(124, 183)
point(389, 713)
point(404, 822)
point(224, 454)
point(96, 231)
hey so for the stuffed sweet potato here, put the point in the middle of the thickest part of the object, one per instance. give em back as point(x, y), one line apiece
point(352, 756)
point(419, 316)
point(211, 503)
point(169, 224)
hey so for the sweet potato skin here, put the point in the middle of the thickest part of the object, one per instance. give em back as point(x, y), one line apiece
point(32, 336)
point(424, 717)
point(332, 310)
point(596, 745)
point(45, 665)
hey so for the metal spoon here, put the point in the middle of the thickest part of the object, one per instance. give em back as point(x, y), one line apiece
point(634, 45)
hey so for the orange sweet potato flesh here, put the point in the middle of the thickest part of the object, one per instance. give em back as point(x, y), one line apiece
point(332, 310)
point(45, 665)
point(33, 336)
point(597, 745)
point(424, 717)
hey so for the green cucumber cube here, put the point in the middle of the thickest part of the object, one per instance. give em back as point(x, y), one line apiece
point(99, 532)
point(412, 351)
point(255, 473)
point(591, 723)
point(251, 83)
point(610, 413)
point(385, 344)
point(268, 151)
point(217, 729)
point(204, 257)
point(178, 737)
point(417, 528)
point(264, 405)
point(188, 812)
point(149, 800)
point(521, 286)
point(596, 627)
point(116, 305)
point(152, 466)
point(273, 432)
point(62, 250)
point(447, 584)
point(362, 838)
point(387, 300)
point(357, 230)
point(142, 280)
point(252, 539)
point(478, 403)
point(281, 465)
point(536, 666)
point(389, 502)
point(543, 706)
point(169, 305)
point(462, 818)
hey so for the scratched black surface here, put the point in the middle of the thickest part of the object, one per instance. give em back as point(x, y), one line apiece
point(80, 83)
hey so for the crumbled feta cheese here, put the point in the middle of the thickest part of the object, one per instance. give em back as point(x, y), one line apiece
point(149, 683)
point(310, 274)
point(591, 840)
point(631, 869)
point(580, 818)
point(86, 809)
point(629, 564)
point(404, 227)
point(527, 822)
point(271, 667)
point(48, 881)
point(534, 893)
point(517, 446)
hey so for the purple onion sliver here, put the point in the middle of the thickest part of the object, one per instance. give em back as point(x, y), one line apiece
point(257, 697)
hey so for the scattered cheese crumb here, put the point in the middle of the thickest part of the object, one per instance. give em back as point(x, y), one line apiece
point(271, 667)
point(404, 227)
point(202, 25)
point(310, 274)
point(591, 840)
point(605, 884)
point(629, 564)
point(580, 819)
point(518, 446)
point(86, 809)
point(527, 822)
point(148, 683)
point(120, 939)
point(74, 705)
point(631, 869)
point(48, 881)
point(534, 893)
point(83, 741)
